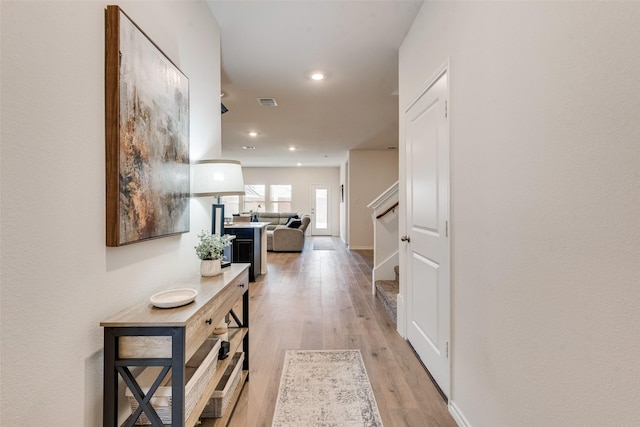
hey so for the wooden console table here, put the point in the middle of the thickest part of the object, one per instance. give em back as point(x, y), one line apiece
point(250, 245)
point(146, 336)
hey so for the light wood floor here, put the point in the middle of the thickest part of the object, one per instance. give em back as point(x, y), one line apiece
point(321, 299)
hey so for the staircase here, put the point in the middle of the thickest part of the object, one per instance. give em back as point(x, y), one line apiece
point(387, 292)
point(386, 241)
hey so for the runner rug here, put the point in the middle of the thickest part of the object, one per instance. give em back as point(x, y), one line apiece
point(325, 388)
point(323, 244)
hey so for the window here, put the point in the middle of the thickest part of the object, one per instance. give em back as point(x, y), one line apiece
point(231, 205)
point(280, 198)
point(322, 208)
point(254, 197)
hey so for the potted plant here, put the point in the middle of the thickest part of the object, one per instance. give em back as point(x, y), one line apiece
point(211, 251)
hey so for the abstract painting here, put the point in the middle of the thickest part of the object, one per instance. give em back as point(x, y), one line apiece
point(147, 136)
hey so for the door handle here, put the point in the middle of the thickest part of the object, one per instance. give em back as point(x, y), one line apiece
point(405, 238)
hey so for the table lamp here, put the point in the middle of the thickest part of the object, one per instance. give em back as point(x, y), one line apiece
point(217, 178)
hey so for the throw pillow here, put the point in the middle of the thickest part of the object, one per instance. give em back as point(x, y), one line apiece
point(294, 223)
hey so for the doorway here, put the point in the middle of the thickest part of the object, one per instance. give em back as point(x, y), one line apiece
point(321, 210)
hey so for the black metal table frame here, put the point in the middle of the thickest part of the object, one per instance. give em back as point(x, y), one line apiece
point(115, 366)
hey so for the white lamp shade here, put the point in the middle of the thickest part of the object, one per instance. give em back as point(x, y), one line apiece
point(216, 178)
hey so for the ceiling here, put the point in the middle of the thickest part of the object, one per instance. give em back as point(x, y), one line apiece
point(269, 50)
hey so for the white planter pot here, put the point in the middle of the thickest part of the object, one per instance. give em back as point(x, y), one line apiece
point(210, 267)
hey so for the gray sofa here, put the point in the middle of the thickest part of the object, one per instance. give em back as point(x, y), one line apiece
point(285, 239)
point(281, 238)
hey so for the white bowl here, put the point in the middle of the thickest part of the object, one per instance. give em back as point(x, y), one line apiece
point(173, 298)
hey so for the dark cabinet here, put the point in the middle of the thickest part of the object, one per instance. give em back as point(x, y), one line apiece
point(246, 247)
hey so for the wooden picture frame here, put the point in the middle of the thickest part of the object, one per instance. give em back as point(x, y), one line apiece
point(147, 136)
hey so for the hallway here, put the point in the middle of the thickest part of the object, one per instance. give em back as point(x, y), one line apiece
point(321, 299)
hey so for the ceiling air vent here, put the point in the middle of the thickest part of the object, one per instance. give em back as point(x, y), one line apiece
point(267, 102)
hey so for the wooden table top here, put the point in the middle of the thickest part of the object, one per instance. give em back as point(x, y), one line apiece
point(145, 314)
point(247, 225)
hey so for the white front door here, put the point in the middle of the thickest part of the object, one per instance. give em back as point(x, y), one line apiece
point(427, 240)
point(321, 210)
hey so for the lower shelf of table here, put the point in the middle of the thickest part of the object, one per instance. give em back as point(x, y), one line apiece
point(236, 337)
point(223, 421)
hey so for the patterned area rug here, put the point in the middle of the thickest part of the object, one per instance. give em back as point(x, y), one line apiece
point(325, 388)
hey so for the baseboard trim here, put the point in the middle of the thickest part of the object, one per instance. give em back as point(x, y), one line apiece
point(457, 415)
point(361, 248)
point(401, 319)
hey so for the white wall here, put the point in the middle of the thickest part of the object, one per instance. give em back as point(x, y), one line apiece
point(370, 172)
point(545, 168)
point(59, 280)
point(301, 180)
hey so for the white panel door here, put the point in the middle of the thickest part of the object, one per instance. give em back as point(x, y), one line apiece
point(321, 210)
point(428, 288)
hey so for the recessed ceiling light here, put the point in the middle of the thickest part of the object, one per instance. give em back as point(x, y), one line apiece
point(317, 76)
point(292, 148)
point(248, 147)
point(253, 134)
